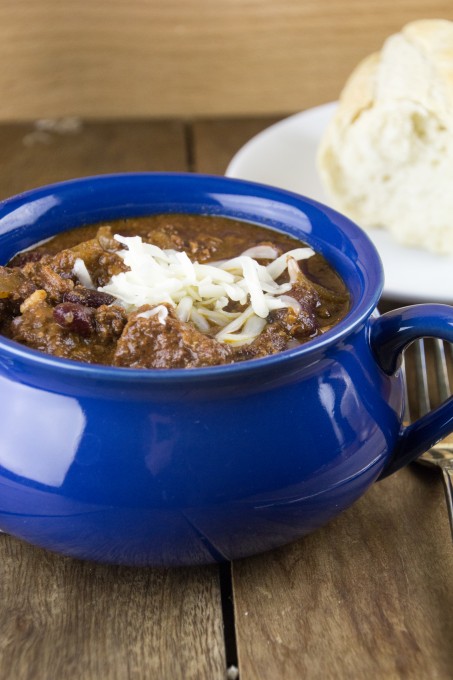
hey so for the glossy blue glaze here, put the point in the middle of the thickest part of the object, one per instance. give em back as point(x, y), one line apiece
point(186, 467)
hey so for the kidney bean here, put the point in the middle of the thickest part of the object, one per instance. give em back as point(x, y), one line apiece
point(24, 258)
point(75, 317)
point(4, 307)
point(87, 297)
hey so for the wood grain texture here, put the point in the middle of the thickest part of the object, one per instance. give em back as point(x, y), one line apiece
point(368, 596)
point(122, 58)
point(30, 157)
point(214, 142)
point(61, 618)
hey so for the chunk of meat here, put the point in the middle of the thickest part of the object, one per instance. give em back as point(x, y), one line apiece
point(5, 311)
point(38, 328)
point(204, 248)
point(333, 298)
point(88, 297)
point(108, 265)
point(107, 322)
point(274, 338)
point(105, 238)
point(148, 343)
point(288, 324)
point(62, 263)
point(74, 320)
point(165, 237)
point(110, 322)
point(27, 256)
point(332, 305)
point(14, 285)
point(14, 289)
point(169, 237)
point(317, 304)
point(302, 323)
point(44, 277)
point(101, 264)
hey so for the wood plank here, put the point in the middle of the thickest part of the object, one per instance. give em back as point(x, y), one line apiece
point(62, 618)
point(178, 58)
point(214, 142)
point(368, 596)
point(32, 157)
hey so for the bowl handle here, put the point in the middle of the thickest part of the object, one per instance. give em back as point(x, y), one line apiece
point(390, 334)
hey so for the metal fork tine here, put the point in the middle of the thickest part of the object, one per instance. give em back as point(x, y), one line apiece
point(407, 412)
point(450, 346)
point(421, 372)
point(441, 454)
point(443, 381)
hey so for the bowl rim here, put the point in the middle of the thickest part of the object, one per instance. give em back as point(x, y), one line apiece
point(368, 262)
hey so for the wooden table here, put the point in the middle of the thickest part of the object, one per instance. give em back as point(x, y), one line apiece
point(368, 596)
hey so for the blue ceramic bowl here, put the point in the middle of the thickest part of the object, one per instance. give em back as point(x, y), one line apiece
point(150, 467)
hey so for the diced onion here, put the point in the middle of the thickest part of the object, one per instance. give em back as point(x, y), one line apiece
point(291, 302)
point(261, 253)
point(278, 266)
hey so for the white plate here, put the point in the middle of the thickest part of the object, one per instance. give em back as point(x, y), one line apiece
point(284, 155)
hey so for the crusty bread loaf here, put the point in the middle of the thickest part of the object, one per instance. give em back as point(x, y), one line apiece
point(386, 159)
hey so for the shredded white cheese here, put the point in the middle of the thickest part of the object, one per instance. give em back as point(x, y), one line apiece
point(82, 273)
point(160, 311)
point(200, 293)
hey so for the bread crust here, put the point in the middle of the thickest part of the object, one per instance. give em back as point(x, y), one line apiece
point(395, 121)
